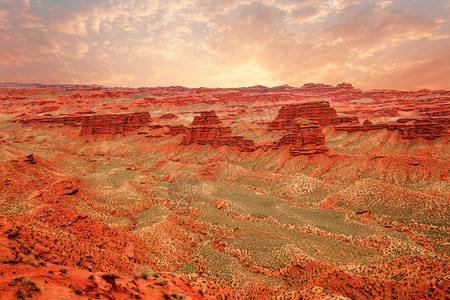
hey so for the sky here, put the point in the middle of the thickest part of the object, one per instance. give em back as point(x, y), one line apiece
point(392, 44)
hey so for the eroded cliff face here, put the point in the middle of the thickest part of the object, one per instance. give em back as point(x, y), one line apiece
point(97, 123)
point(304, 138)
point(301, 124)
point(410, 129)
point(114, 124)
point(207, 128)
point(319, 111)
point(428, 128)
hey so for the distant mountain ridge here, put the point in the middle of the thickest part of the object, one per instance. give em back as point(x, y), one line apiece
point(307, 87)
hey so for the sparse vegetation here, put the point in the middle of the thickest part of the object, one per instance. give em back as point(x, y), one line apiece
point(162, 283)
point(78, 291)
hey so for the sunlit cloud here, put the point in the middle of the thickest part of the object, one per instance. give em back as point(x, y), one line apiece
point(225, 43)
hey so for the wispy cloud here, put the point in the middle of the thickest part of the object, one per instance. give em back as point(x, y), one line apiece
point(225, 43)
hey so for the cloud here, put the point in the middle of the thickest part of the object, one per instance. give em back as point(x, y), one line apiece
point(431, 73)
point(219, 43)
point(340, 50)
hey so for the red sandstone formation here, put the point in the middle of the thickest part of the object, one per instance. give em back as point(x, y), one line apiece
point(367, 122)
point(65, 120)
point(355, 127)
point(429, 129)
point(177, 129)
point(345, 85)
point(207, 128)
point(97, 124)
point(345, 120)
point(304, 139)
point(319, 111)
point(114, 124)
point(206, 118)
point(168, 117)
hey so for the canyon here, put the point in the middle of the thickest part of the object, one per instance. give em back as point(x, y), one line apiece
point(313, 192)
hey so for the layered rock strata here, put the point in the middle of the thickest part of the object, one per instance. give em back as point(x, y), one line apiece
point(98, 124)
point(114, 124)
point(429, 128)
point(301, 126)
point(207, 128)
point(319, 111)
point(304, 139)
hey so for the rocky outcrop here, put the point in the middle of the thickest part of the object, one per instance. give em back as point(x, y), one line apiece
point(429, 129)
point(355, 127)
point(97, 124)
point(301, 124)
point(168, 116)
point(207, 128)
point(303, 139)
point(345, 120)
point(176, 129)
point(30, 159)
point(319, 111)
point(206, 118)
point(345, 85)
point(65, 120)
point(114, 124)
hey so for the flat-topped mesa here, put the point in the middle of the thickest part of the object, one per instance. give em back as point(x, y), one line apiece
point(208, 129)
point(306, 138)
point(114, 124)
point(319, 111)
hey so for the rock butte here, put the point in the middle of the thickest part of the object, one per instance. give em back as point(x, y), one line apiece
point(304, 139)
point(207, 128)
point(319, 111)
point(316, 192)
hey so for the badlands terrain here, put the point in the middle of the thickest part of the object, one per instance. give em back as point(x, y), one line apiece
point(318, 192)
